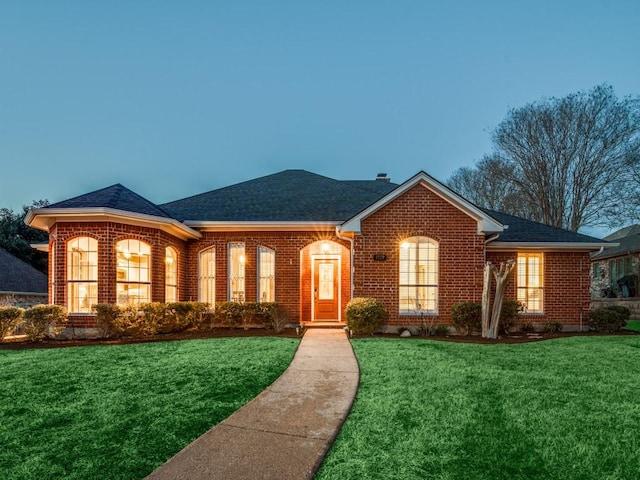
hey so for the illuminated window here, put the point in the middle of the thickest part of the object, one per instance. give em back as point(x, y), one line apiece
point(82, 274)
point(171, 275)
point(236, 263)
point(418, 281)
point(207, 277)
point(530, 281)
point(266, 274)
point(133, 280)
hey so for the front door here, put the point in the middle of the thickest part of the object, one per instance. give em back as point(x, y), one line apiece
point(325, 289)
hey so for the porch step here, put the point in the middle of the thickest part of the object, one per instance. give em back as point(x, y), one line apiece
point(325, 325)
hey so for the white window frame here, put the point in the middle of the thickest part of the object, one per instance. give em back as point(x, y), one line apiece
point(135, 278)
point(81, 274)
point(419, 256)
point(266, 275)
point(171, 275)
point(207, 276)
point(236, 272)
point(530, 285)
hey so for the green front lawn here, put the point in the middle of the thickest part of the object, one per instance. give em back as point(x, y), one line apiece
point(566, 408)
point(120, 411)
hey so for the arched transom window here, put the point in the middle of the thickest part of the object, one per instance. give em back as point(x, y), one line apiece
point(82, 274)
point(133, 270)
point(418, 280)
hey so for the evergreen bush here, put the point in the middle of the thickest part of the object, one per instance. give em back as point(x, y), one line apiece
point(365, 315)
point(10, 318)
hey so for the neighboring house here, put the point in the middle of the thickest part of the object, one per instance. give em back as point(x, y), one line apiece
point(310, 243)
point(615, 271)
point(21, 285)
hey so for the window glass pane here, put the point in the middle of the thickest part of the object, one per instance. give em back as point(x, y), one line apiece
point(82, 274)
point(207, 277)
point(530, 281)
point(266, 274)
point(418, 275)
point(236, 272)
point(171, 275)
point(133, 261)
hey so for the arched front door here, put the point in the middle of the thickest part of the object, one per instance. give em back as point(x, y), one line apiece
point(326, 288)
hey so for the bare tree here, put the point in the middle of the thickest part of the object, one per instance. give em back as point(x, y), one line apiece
point(568, 162)
point(488, 186)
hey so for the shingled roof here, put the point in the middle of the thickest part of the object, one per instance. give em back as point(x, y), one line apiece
point(628, 239)
point(291, 195)
point(522, 230)
point(17, 276)
point(117, 197)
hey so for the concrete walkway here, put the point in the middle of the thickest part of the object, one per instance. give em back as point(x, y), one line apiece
point(285, 432)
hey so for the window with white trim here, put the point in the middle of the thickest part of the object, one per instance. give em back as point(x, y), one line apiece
point(266, 274)
point(170, 275)
point(530, 277)
point(236, 263)
point(82, 274)
point(418, 279)
point(133, 272)
point(207, 276)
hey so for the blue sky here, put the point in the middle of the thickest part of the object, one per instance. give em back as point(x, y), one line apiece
point(176, 98)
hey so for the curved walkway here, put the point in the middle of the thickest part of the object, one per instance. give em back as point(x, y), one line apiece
point(285, 432)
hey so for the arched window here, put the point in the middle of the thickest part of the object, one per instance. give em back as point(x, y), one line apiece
point(418, 281)
point(207, 276)
point(170, 275)
point(266, 274)
point(82, 274)
point(133, 281)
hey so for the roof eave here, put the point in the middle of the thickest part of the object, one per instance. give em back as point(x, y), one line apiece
point(547, 246)
point(281, 226)
point(44, 218)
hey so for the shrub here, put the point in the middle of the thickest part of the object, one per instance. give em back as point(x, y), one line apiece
point(466, 317)
point(42, 321)
point(552, 327)
point(441, 330)
point(511, 310)
point(10, 318)
point(527, 327)
point(153, 318)
point(276, 316)
point(107, 319)
point(187, 314)
point(229, 313)
point(365, 315)
point(609, 319)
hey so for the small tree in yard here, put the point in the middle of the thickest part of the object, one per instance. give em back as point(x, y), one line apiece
point(365, 315)
point(491, 324)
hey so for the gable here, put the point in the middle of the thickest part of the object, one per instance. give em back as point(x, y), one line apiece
point(485, 224)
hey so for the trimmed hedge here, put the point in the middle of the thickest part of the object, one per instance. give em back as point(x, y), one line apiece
point(10, 318)
point(609, 319)
point(44, 321)
point(466, 317)
point(365, 315)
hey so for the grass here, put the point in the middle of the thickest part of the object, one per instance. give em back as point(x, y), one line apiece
point(561, 409)
point(633, 325)
point(118, 412)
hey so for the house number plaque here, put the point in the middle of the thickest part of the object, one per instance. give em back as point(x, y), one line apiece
point(379, 257)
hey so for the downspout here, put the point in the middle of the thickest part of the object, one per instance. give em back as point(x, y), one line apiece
point(486, 242)
point(350, 240)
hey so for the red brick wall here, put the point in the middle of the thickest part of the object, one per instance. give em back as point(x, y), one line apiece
point(566, 286)
point(108, 234)
point(419, 212)
point(293, 252)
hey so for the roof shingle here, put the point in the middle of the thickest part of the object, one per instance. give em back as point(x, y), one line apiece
point(19, 276)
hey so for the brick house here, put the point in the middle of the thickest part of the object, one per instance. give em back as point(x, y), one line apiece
point(310, 243)
point(21, 285)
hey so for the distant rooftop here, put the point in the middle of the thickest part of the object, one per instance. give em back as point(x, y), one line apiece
point(17, 276)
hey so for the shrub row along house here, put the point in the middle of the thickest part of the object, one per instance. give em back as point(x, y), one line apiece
point(310, 243)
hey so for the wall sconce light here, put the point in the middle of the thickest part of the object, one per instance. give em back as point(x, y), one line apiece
point(325, 247)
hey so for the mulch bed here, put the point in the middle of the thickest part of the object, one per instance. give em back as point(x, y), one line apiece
point(291, 333)
point(167, 337)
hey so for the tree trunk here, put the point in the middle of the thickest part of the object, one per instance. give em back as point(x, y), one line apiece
point(486, 299)
point(502, 277)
